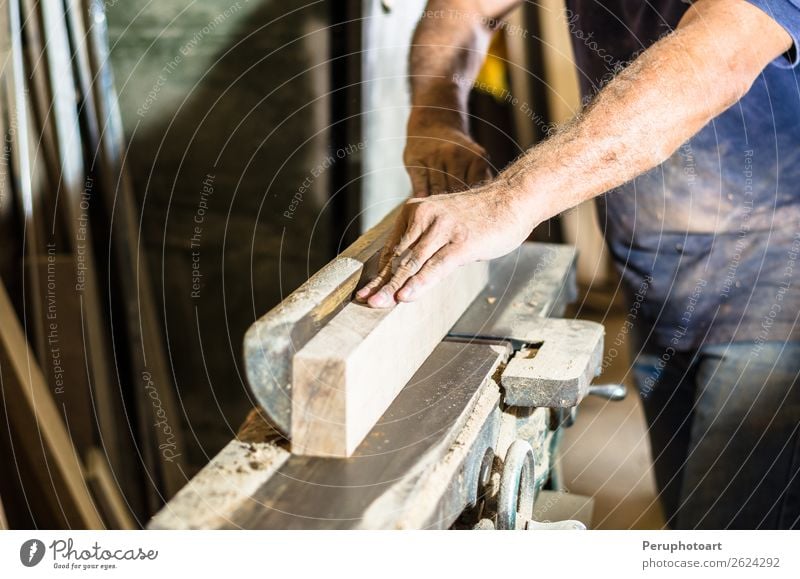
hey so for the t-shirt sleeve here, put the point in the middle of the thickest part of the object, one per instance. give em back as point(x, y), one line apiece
point(787, 14)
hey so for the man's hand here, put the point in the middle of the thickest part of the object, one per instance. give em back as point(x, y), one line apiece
point(448, 48)
point(435, 235)
point(442, 159)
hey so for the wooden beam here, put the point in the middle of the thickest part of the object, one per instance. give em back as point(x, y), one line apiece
point(106, 491)
point(10, 225)
point(348, 374)
point(3, 521)
point(44, 151)
point(75, 195)
point(37, 422)
point(162, 445)
point(272, 340)
point(65, 367)
point(11, 52)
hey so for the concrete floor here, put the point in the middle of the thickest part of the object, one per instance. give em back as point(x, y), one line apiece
point(606, 454)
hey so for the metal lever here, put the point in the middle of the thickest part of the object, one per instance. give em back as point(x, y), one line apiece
point(613, 392)
point(565, 417)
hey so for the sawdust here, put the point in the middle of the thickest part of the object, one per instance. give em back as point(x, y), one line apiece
point(258, 427)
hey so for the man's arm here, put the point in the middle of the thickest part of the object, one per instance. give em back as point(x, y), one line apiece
point(664, 97)
point(447, 51)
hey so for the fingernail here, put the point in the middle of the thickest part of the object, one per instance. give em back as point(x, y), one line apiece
point(380, 299)
point(362, 293)
point(407, 293)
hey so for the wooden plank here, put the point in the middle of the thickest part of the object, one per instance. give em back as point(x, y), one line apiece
point(11, 49)
point(37, 74)
point(162, 444)
point(10, 227)
point(3, 521)
point(37, 422)
point(417, 431)
point(75, 196)
point(106, 491)
point(348, 374)
point(272, 339)
point(65, 365)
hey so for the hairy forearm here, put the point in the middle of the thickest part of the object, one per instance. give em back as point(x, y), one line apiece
point(447, 50)
point(669, 93)
point(641, 117)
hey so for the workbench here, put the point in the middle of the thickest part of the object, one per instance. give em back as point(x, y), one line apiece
point(470, 441)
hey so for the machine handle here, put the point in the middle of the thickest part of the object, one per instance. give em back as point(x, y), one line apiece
point(613, 392)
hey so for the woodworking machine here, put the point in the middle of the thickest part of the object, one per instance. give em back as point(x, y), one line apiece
point(471, 440)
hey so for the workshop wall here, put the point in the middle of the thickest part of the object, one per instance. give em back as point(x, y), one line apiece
point(225, 106)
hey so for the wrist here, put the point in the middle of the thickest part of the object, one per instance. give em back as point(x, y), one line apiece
point(527, 194)
point(437, 113)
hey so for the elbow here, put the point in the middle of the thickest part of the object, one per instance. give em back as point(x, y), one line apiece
point(738, 69)
point(724, 88)
point(732, 42)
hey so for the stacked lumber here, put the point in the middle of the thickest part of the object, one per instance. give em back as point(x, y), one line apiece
point(93, 434)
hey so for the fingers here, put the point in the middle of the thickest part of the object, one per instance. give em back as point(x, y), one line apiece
point(411, 261)
point(419, 181)
point(410, 232)
point(478, 171)
point(437, 177)
point(471, 170)
point(435, 270)
point(398, 235)
point(368, 290)
point(434, 181)
point(457, 173)
point(454, 174)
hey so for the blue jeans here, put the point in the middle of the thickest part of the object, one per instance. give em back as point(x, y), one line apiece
point(724, 424)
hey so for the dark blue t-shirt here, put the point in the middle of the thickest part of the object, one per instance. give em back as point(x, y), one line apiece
point(708, 243)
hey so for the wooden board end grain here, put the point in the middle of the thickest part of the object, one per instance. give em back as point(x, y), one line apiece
point(347, 375)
